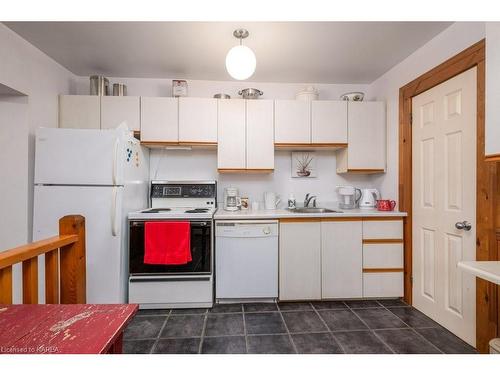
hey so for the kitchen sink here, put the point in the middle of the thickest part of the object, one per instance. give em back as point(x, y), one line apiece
point(313, 210)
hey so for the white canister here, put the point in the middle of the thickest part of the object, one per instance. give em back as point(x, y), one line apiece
point(310, 93)
point(179, 88)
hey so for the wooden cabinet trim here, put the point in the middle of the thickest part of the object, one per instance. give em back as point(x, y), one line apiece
point(383, 240)
point(244, 170)
point(318, 145)
point(300, 219)
point(382, 270)
point(383, 218)
point(341, 219)
point(360, 170)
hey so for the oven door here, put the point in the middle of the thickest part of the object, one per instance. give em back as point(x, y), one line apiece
point(201, 251)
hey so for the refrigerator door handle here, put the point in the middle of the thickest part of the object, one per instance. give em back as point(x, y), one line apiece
point(115, 160)
point(114, 224)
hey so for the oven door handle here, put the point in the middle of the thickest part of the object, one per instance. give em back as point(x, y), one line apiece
point(145, 279)
point(204, 224)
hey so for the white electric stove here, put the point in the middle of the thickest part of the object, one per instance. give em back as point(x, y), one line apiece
point(175, 286)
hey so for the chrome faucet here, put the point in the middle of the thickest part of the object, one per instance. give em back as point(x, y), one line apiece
point(308, 200)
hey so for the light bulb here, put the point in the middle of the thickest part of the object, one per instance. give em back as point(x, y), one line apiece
point(240, 62)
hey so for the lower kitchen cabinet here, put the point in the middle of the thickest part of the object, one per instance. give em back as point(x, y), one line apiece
point(331, 258)
point(300, 260)
point(383, 258)
point(341, 259)
point(383, 284)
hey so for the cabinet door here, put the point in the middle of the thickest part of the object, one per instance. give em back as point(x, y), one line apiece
point(231, 134)
point(300, 260)
point(292, 121)
point(116, 110)
point(79, 111)
point(329, 121)
point(159, 120)
point(342, 259)
point(198, 120)
point(366, 133)
point(260, 134)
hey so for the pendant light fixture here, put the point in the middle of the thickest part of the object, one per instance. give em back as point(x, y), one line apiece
point(240, 60)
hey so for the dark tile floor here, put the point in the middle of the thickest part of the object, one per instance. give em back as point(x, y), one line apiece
point(383, 326)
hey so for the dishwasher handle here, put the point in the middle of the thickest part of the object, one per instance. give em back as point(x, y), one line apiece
point(246, 229)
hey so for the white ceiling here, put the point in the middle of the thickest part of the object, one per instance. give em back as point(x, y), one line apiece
point(320, 52)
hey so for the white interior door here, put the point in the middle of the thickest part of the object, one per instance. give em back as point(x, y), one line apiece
point(444, 193)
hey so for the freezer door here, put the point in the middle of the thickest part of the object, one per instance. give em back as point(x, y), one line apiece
point(79, 156)
point(105, 256)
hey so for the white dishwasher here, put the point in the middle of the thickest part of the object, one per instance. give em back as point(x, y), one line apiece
point(246, 259)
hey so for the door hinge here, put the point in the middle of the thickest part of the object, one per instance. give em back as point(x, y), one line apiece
point(411, 118)
point(411, 279)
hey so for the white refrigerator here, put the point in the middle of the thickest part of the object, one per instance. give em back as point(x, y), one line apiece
point(102, 175)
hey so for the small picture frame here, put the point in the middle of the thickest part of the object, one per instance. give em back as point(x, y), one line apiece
point(304, 164)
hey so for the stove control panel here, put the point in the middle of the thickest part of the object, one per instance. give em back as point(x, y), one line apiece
point(183, 190)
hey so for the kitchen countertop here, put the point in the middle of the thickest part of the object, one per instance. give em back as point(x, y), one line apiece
point(487, 270)
point(281, 213)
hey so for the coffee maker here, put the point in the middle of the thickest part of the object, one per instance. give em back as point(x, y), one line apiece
point(232, 200)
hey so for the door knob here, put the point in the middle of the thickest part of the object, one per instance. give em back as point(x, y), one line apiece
point(463, 225)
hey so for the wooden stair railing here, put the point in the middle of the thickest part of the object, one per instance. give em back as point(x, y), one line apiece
point(64, 283)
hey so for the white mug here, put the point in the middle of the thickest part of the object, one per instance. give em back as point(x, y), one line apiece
point(271, 200)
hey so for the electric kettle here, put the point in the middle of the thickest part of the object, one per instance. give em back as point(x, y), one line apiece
point(369, 198)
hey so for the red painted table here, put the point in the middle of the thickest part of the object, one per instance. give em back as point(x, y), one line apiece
point(68, 329)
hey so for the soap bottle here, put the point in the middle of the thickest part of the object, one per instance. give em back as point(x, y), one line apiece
point(291, 202)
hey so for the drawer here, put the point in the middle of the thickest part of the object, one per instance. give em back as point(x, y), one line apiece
point(383, 255)
point(392, 229)
point(382, 284)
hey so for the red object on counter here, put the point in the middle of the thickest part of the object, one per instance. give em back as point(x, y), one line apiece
point(167, 242)
point(385, 205)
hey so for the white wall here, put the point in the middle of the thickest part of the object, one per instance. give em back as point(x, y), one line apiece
point(451, 41)
point(27, 70)
point(163, 87)
point(202, 164)
point(492, 136)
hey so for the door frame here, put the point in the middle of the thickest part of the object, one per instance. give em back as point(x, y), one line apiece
point(487, 307)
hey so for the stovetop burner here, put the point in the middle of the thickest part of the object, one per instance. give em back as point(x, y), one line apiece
point(156, 210)
point(196, 210)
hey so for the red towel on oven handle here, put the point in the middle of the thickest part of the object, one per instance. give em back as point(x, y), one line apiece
point(167, 242)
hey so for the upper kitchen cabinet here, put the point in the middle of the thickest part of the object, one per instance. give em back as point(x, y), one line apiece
point(116, 110)
point(198, 121)
point(231, 135)
point(292, 122)
point(79, 111)
point(366, 134)
point(492, 136)
point(245, 136)
point(159, 121)
point(260, 135)
point(329, 122)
